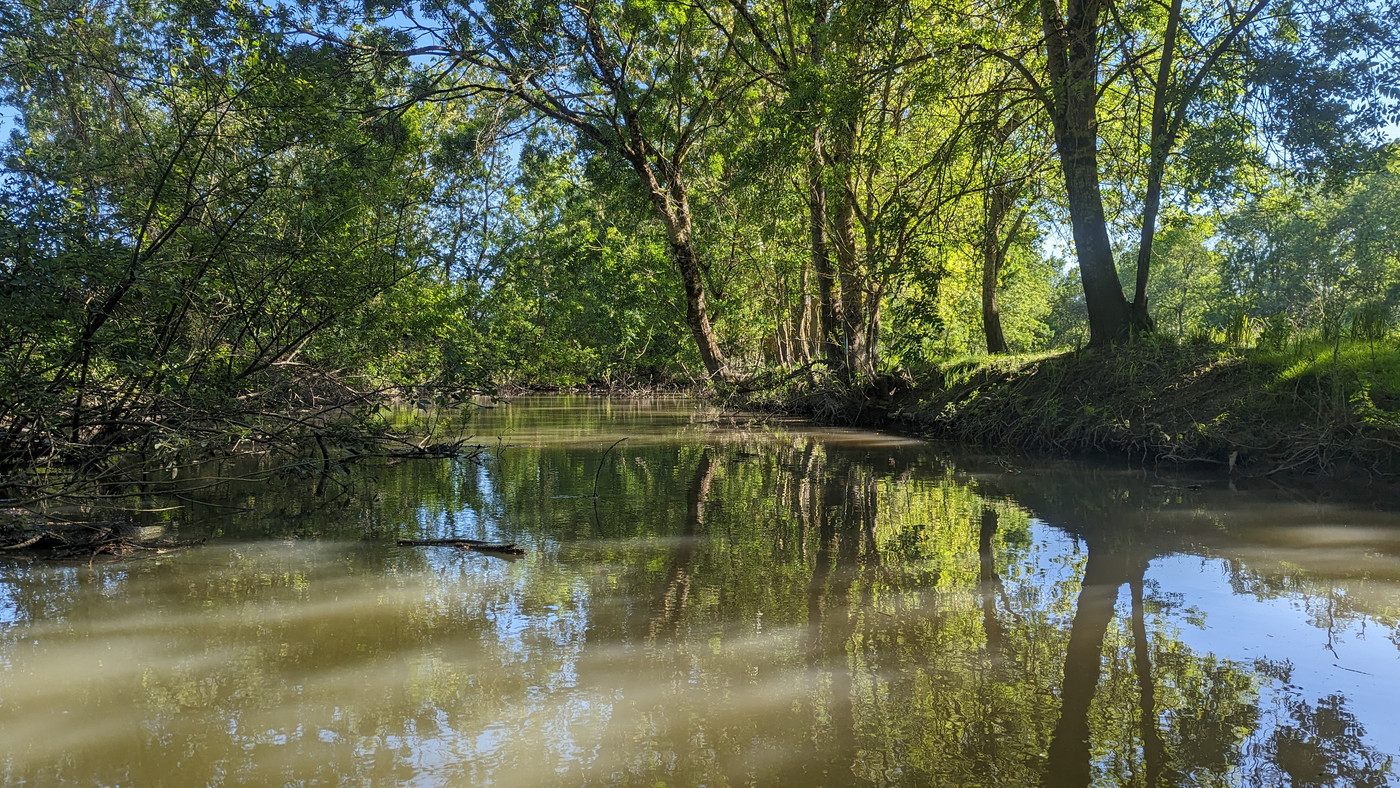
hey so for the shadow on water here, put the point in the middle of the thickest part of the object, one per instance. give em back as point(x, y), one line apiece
point(743, 602)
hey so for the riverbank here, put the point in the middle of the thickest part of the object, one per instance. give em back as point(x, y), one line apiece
point(1314, 410)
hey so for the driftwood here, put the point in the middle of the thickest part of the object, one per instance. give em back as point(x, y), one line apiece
point(503, 548)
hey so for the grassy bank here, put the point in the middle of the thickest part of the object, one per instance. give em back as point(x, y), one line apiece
point(1310, 409)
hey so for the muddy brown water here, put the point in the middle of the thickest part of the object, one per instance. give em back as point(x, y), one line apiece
point(744, 602)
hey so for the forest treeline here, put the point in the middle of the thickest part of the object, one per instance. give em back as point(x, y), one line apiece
point(228, 226)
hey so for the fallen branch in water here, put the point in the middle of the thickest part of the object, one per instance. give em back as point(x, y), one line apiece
point(506, 548)
point(61, 541)
point(424, 450)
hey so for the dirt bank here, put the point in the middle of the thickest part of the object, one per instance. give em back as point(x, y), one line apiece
point(1248, 412)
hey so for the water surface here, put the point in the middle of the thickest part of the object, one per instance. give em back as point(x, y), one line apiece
point(745, 601)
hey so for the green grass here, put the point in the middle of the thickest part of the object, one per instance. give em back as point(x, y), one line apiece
point(1376, 365)
point(1310, 408)
point(959, 369)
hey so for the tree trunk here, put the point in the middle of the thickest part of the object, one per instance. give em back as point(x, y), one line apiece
point(871, 361)
point(829, 312)
point(1161, 142)
point(1109, 318)
point(1151, 205)
point(852, 334)
point(673, 208)
point(696, 312)
point(831, 315)
point(804, 319)
point(1071, 44)
point(843, 231)
point(993, 255)
point(782, 345)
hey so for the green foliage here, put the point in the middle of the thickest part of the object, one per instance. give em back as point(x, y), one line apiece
point(192, 205)
point(1326, 260)
point(1186, 275)
point(208, 205)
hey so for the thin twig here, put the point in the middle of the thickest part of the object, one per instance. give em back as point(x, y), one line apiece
point(600, 465)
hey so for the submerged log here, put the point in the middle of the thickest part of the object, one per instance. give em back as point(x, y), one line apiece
point(504, 548)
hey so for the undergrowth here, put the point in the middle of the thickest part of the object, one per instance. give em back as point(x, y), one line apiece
point(1322, 408)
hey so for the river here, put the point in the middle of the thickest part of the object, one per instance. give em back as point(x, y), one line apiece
point(745, 600)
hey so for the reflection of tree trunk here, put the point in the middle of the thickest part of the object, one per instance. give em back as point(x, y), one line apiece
point(677, 591)
point(829, 621)
point(1069, 746)
point(826, 544)
point(867, 514)
point(838, 621)
point(1154, 750)
point(990, 585)
point(698, 494)
point(805, 503)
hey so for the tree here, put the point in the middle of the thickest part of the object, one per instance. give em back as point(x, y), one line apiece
point(1310, 256)
point(1170, 70)
point(1010, 170)
point(870, 125)
point(1186, 281)
point(188, 207)
point(642, 83)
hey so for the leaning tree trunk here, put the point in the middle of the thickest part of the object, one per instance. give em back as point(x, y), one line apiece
point(696, 312)
point(672, 206)
point(1160, 143)
point(1071, 45)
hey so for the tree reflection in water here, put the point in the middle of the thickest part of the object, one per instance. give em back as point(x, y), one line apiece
point(742, 605)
